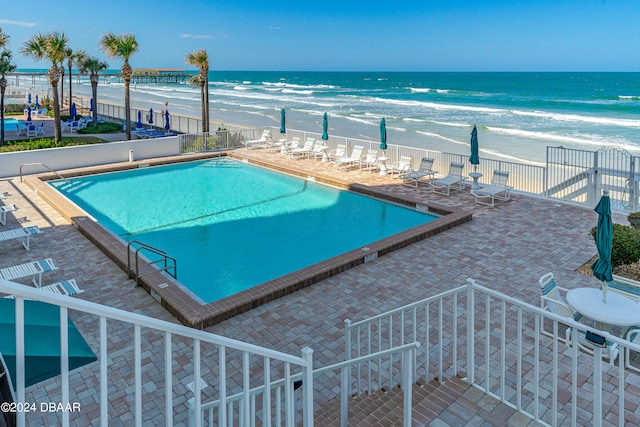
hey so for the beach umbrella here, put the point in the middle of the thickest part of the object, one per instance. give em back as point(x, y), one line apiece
point(29, 113)
point(383, 134)
point(150, 116)
point(41, 341)
point(166, 120)
point(474, 158)
point(604, 241)
point(283, 127)
point(73, 113)
point(325, 127)
point(37, 103)
point(139, 124)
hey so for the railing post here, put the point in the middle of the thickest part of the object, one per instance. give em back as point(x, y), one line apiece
point(407, 385)
point(307, 388)
point(597, 387)
point(470, 331)
point(344, 397)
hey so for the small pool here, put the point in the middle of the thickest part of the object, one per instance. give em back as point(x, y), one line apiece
point(11, 124)
point(232, 225)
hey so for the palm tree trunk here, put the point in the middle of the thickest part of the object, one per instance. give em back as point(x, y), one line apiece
point(206, 101)
point(126, 72)
point(3, 87)
point(61, 78)
point(202, 109)
point(70, 87)
point(94, 92)
point(54, 76)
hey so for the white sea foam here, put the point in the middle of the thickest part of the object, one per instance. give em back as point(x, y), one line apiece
point(580, 118)
point(300, 92)
point(240, 88)
point(297, 86)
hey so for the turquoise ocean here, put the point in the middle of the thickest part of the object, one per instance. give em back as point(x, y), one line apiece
point(518, 114)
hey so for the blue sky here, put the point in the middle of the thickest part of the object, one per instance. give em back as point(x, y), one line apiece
point(420, 35)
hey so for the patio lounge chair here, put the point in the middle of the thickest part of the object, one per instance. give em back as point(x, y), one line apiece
point(3, 212)
point(67, 287)
point(23, 234)
point(553, 301)
point(305, 150)
point(258, 143)
point(453, 180)
point(291, 145)
point(498, 189)
point(411, 179)
point(353, 159)
point(33, 269)
point(318, 149)
point(401, 166)
point(370, 160)
point(337, 153)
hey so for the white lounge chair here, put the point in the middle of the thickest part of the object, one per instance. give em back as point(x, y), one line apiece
point(498, 189)
point(553, 301)
point(411, 179)
point(67, 287)
point(318, 149)
point(33, 269)
point(401, 166)
point(353, 159)
point(453, 180)
point(305, 150)
point(258, 143)
point(3, 212)
point(370, 160)
point(337, 153)
point(291, 145)
point(23, 234)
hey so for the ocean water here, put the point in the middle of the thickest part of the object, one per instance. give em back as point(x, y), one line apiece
point(518, 114)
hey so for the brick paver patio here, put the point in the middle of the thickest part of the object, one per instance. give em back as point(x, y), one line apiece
point(506, 248)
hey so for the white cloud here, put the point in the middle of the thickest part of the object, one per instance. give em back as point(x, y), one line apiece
point(19, 23)
point(197, 36)
point(272, 27)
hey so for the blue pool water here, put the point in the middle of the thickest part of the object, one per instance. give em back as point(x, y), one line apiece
point(10, 124)
point(231, 225)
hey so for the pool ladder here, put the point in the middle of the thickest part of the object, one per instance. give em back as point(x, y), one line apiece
point(134, 273)
point(46, 167)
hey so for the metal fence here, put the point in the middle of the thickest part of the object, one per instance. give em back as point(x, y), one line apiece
point(580, 176)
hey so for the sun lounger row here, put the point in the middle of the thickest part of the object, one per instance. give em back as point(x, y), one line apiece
point(35, 269)
point(4, 209)
point(23, 234)
point(66, 287)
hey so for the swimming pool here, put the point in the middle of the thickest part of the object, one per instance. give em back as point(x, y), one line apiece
point(10, 124)
point(232, 225)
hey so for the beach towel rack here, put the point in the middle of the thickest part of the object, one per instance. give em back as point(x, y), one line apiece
point(169, 263)
point(45, 166)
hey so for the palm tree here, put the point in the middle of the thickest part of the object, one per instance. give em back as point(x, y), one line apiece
point(122, 46)
point(52, 47)
point(93, 65)
point(6, 66)
point(71, 58)
point(200, 59)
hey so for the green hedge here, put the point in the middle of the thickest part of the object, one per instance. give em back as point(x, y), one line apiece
point(626, 245)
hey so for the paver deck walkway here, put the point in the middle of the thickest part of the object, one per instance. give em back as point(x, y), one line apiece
point(506, 248)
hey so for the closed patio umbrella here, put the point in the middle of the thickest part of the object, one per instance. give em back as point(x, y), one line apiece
point(73, 113)
point(139, 123)
point(29, 113)
point(283, 121)
point(166, 120)
point(91, 105)
point(474, 158)
point(383, 134)
point(41, 341)
point(29, 98)
point(604, 241)
point(325, 128)
point(150, 116)
point(37, 103)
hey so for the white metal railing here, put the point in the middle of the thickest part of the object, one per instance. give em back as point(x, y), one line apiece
point(500, 347)
point(123, 339)
point(216, 141)
point(341, 374)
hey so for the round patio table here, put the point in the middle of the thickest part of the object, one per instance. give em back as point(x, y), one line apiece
point(618, 310)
